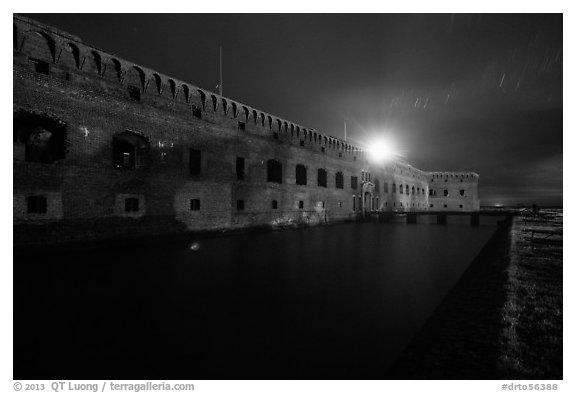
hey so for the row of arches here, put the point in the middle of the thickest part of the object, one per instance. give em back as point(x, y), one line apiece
point(55, 49)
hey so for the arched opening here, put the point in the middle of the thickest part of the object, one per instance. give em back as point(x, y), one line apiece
point(301, 177)
point(157, 83)
point(274, 171)
point(75, 54)
point(116, 70)
point(97, 62)
point(214, 102)
point(51, 44)
point(185, 93)
point(234, 110)
point(130, 150)
point(39, 138)
point(202, 98)
point(172, 85)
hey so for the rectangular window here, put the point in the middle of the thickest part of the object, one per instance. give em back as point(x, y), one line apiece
point(126, 160)
point(241, 125)
point(131, 205)
point(194, 204)
point(354, 182)
point(354, 202)
point(195, 161)
point(40, 66)
point(240, 204)
point(240, 168)
point(431, 205)
point(301, 143)
point(274, 205)
point(300, 204)
point(37, 204)
point(134, 93)
point(196, 112)
point(461, 206)
point(323, 149)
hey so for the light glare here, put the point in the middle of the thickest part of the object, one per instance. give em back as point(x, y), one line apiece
point(382, 150)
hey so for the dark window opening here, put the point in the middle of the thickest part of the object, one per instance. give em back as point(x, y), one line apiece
point(431, 192)
point(301, 177)
point(274, 171)
point(240, 204)
point(40, 66)
point(431, 205)
point(241, 125)
point(194, 204)
point(131, 205)
point(323, 149)
point(301, 143)
point(340, 154)
point(354, 182)
point(322, 177)
point(461, 206)
point(386, 187)
point(300, 204)
point(37, 204)
point(196, 112)
point(339, 180)
point(401, 189)
point(275, 135)
point(129, 150)
point(354, 203)
point(134, 93)
point(445, 206)
point(461, 192)
point(445, 193)
point(240, 168)
point(195, 162)
point(39, 138)
point(274, 205)
point(340, 204)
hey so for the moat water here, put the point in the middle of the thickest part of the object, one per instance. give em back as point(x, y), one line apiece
point(335, 302)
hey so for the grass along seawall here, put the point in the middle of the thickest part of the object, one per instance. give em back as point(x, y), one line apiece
point(503, 319)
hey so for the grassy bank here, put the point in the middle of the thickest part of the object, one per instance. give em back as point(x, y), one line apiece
point(502, 320)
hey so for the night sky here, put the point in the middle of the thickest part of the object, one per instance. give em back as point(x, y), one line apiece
point(456, 92)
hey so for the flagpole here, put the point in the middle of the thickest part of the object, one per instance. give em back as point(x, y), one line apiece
point(220, 85)
point(344, 131)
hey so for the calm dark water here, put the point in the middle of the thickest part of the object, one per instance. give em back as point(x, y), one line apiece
point(337, 302)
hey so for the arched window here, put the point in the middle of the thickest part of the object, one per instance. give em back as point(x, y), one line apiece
point(202, 98)
point(129, 150)
point(186, 93)
point(255, 116)
point(214, 102)
point(75, 54)
point(51, 46)
point(339, 180)
point(157, 83)
point(246, 113)
point(262, 119)
point(401, 189)
point(116, 70)
point(38, 138)
point(274, 171)
point(97, 59)
point(446, 193)
point(172, 85)
point(322, 177)
point(413, 190)
point(234, 109)
point(224, 106)
point(301, 177)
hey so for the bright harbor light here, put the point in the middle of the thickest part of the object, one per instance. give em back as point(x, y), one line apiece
point(382, 150)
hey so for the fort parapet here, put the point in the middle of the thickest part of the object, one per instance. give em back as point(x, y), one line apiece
point(104, 148)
